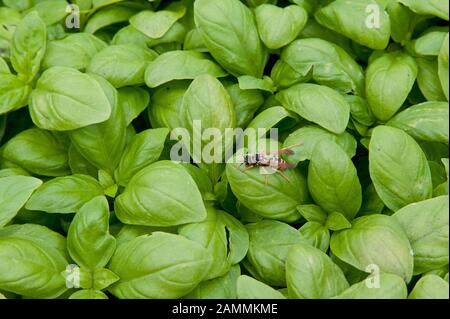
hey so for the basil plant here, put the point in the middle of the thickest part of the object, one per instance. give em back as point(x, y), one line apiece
point(224, 149)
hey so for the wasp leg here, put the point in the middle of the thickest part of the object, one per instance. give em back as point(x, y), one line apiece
point(293, 145)
point(283, 175)
point(288, 150)
point(248, 168)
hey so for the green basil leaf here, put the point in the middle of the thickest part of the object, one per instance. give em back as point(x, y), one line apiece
point(104, 278)
point(327, 63)
point(129, 232)
point(398, 168)
point(250, 288)
point(247, 82)
point(310, 136)
point(4, 68)
point(316, 235)
point(389, 79)
point(75, 51)
point(360, 245)
point(360, 110)
point(194, 41)
point(39, 152)
point(426, 121)
point(222, 235)
point(202, 180)
point(430, 287)
point(39, 257)
point(64, 195)
point(229, 32)
point(371, 203)
point(313, 213)
point(318, 104)
point(165, 105)
point(428, 79)
point(315, 30)
point(246, 103)
point(353, 274)
point(144, 149)
point(275, 199)
point(224, 287)
point(403, 21)
point(2, 126)
point(66, 99)
point(426, 225)
point(272, 117)
point(88, 294)
point(156, 24)
point(50, 11)
point(56, 32)
point(39, 234)
point(434, 151)
point(18, 5)
point(256, 3)
point(333, 180)
point(353, 20)
point(279, 26)
point(162, 194)
point(206, 100)
point(386, 286)
point(180, 65)
point(310, 273)
point(129, 35)
point(108, 16)
point(88, 240)
point(102, 144)
point(441, 189)
point(9, 18)
point(102, 3)
point(430, 42)
point(284, 75)
point(267, 257)
point(28, 46)
point(245, 215)
point(14, 193)
point(438, 175)
point(13, 171)
point(13, 93)
point(108, 183)
point(443, 66)
point(446, 165)
point(172, 40)
point(336, 221)
point(161, 265)
point(79, 165)
point(133, 101)
point(122, 65)
point(437, 8)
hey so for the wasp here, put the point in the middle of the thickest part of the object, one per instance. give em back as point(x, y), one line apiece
point(271, 160)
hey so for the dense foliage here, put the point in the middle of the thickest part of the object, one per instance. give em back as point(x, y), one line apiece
point(91, 205)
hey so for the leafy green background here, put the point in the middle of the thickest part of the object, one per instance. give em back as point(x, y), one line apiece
point(92, 207)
